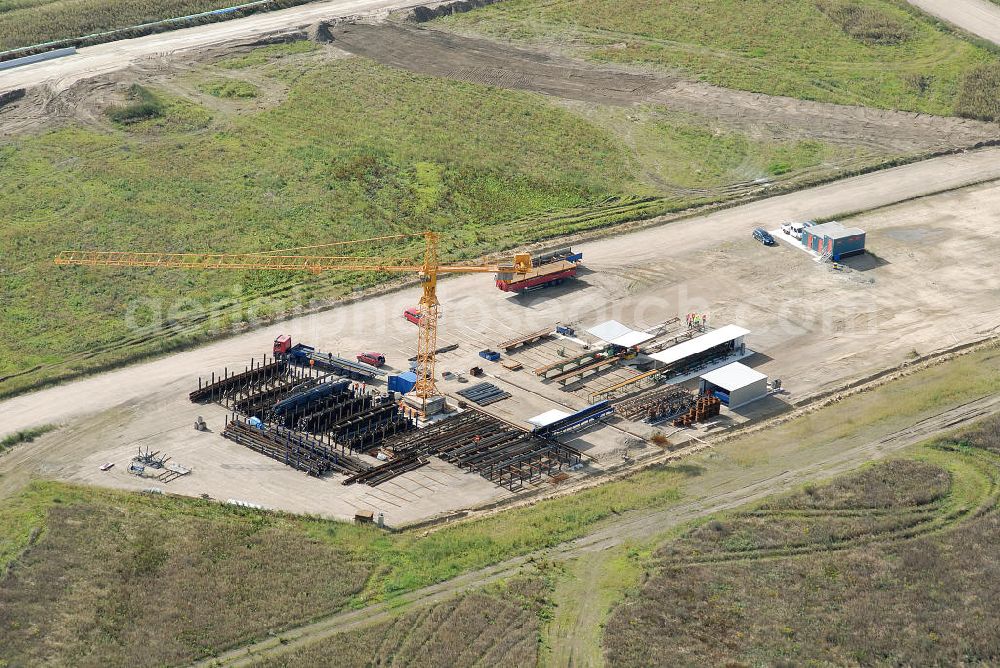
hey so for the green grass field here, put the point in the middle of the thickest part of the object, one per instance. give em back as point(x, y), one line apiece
point(866, 52)
point(354, 150)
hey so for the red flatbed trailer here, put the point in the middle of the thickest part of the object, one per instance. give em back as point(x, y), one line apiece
point(539, 281)
point(552, 269)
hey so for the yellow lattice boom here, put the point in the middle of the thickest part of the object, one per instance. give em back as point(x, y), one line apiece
point(287, 260)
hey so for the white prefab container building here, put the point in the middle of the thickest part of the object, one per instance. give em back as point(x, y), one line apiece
point(736, 384)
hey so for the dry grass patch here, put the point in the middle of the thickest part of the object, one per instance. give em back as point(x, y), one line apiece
point(498, 627)
point(892, 484)
point(932, 601)
point(979, 96)
point(121, 585)
point(873, 589)
point(984, 436)
point(866, 23)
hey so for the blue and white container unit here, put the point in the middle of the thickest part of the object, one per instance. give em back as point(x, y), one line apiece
point(834, 239)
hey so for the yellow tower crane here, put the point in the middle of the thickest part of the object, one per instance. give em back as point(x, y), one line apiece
point(283, 260)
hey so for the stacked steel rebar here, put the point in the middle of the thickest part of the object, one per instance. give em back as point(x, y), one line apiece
point(657, 406)
point(705, 407)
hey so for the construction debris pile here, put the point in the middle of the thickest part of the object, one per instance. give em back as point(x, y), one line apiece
point(163, 469)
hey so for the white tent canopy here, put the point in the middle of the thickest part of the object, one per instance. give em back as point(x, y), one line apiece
point(618, 334)
point(548, 417)
point(632, 339)
point(609, 331)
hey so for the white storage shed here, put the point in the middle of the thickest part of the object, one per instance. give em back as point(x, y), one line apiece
point(736, 384)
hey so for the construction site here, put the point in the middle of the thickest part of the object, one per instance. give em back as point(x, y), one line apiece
point(555, 367)
point(499, 333)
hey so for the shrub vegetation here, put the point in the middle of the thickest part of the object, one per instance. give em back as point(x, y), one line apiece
point(144, 105)
point(229, 88)
point(980, 93)
point(24, 436)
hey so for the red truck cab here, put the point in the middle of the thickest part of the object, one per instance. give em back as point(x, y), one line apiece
point(374, 359)
point(412, 314)
point(282, 344)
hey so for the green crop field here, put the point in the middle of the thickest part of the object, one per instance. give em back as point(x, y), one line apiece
point(354, 150)
point(29, 22)
point(893, 565)
point(865, 52)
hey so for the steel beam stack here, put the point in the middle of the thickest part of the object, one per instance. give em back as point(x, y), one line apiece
point(293, 449)
point(577, 420)
point(386, 472)
point(484, 394)
point(217, 388)
point(500, 452)
point(526, 339)
point(305, 406)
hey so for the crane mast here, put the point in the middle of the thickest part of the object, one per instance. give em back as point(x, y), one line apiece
point(427, 323)
point(282, 260)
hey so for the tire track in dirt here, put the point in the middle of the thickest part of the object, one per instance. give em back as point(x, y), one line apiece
point(923, 521)
point(634, 525)
point(482, 61)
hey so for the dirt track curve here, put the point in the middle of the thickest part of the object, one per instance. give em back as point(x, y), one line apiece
point(442, 54)
point(634, 525)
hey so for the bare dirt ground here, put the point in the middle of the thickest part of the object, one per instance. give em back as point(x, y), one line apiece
point(442, 54)
point(979, 17)
point(86, 101)
point(716, 492)
point(930, 285)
